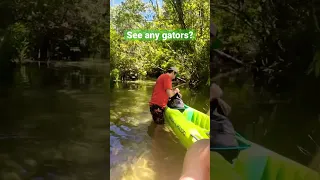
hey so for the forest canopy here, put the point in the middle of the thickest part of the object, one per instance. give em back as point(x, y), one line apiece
point(141, 59)
point(278, 39)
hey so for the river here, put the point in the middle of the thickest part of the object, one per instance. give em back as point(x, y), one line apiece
point(54, 122)
point(139, 148)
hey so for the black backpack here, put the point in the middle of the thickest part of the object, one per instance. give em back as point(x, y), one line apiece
point(222, 133)
point(175, 102)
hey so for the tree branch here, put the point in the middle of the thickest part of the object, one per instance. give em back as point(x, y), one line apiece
point(222, 75)
point(228, 56)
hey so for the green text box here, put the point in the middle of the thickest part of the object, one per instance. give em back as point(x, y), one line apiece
point(160, 35)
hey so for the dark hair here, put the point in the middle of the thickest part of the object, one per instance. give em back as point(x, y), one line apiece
point(170, 71)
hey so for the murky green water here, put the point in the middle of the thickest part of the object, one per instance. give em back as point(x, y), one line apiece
point(139, 148)
point(286, 122)
point(54, 122)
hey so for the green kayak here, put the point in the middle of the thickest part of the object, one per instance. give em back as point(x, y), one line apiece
point(258, 163)
point(188, 124)
point(254, 162)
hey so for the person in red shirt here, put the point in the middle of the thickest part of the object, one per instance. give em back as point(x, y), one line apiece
point(161, 93)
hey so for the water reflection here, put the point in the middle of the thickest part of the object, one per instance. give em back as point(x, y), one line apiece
point(53, 123)
point(141, 149)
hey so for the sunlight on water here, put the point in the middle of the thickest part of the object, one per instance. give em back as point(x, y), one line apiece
point(126, 163)
point(140, 169)
point(140, 149)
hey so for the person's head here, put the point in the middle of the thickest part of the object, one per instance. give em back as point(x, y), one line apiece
point(215, 43)
point(172, 71)
point(215, 91)
point(213, 30)
point(216, 103)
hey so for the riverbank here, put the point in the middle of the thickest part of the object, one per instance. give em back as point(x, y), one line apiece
point(89, 63)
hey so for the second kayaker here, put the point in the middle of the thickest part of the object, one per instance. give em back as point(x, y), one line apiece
point(162, 91)
point(221, 128)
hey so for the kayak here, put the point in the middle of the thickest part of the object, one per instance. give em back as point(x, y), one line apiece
point(191, 125)
point(188, 124)
point(253, 162)
point(258, 163)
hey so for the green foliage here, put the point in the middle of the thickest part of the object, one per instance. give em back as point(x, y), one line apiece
point(55, 28)
point(15, 42)
point(19, 40)
point(115, 74)
point(145, 57)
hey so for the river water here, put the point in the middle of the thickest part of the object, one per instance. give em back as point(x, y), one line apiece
point(139, 148)
point(54, 122)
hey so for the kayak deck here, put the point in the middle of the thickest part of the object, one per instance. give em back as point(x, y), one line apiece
point(259, 163)
point(188, 124)
point(255, 162)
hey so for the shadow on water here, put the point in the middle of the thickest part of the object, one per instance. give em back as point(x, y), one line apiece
point(140, 149)
point(53, 124)
point(286, 122)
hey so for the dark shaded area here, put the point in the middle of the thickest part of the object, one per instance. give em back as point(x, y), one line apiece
point(274, 98)
point(286, 123)
point(53, 123)
point(54, 30)
point(277, 41)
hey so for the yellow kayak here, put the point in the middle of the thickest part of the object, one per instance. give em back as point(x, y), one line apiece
point(188, 124)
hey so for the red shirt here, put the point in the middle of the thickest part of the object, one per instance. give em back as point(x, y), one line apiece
point(159, 95)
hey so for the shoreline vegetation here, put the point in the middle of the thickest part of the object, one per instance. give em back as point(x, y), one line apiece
point(57, 63)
